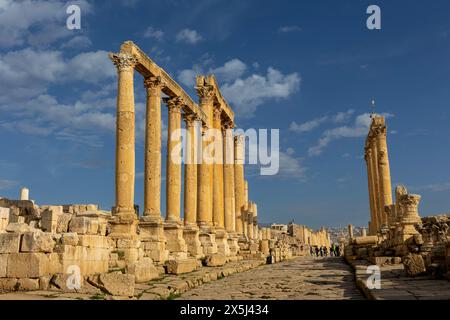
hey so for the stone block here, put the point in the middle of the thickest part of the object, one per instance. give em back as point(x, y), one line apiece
point(37, 241)
point(18, 227)
point(414, 265)
point(93, 241)
point(8, 284)
point(4, 218)
point(84, 225)
point(49, 218)
point(180, 266)
point(32, 265)
point(3, 264)
point(62, 224)
point(117, 284)
point(70, 238)
point(27, 284)
point(143, 270)
point(215, 260)
point(9, 242)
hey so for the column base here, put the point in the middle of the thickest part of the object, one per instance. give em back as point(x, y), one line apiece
point(264, 246)
point(233, 243)
point(123, 225)
point(153, 239)
point(192, 239)
point(208, 240)
point(175, 242)
point(222, 242)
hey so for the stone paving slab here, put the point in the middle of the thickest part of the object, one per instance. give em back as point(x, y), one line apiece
point(303, 278)
point(395, 285)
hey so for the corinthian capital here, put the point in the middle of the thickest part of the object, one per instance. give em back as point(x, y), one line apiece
point(123, 61)
point(205, 92)
point(174, 104)
point(189, 119)
point(217, 112)
point(154, 84)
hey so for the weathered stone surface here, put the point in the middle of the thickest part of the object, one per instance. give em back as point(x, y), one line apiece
point(63, 222)
point(70, 238)
point(215, 260)
point(32, 265)
point(9, 242)
point(27, 284)
point(50, 216)
point(180, 266)
point(37, 241)
point(8, 284)
point(414, 265)
point(84, 225)
point(143, 270)
point(117, 284)
point(18, 227)
point(3, 264)
point(4, 218)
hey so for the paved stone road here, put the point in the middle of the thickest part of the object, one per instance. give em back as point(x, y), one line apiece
point(302, 278)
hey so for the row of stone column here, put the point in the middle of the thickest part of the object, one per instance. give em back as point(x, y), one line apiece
point(215, 195)
point(378, 173)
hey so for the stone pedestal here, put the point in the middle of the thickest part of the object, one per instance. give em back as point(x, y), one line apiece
point(264, 246)
point(123, 225)
point(153, 239)
point(233, 243)
point(175, 242)
point(208, 240)
point(222, 242)
point(191, 235)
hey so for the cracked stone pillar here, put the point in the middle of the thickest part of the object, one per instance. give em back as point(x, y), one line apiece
point(250, 220)
point(191, 230)
point(151, 224)
point(239, 182)
point(173, 226)
point(124, 223)
point(377, 185)
point(204, 209)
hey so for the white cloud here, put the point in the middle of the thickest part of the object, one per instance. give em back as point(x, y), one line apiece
point(291, 166)
point(286, 29)
point(35, 22)
point(189, 36)
point(230, 71)
point(340, 117)
point(78, 42)
point(359, 129)
point(153, 33)
point(246, 94)
point(187, 77)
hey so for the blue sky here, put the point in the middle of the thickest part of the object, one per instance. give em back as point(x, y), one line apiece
point(309, 68)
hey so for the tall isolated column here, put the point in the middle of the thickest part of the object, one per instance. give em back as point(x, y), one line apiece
point(376, 179)
point(152, 172)
point(383, 164)
point(218, 201)
point(245, 210)
point(228, 175)
point(173, 169)
point(239, 148)
point(125, 135)
point(204, 205)
point(190, 172)
point(372, 203)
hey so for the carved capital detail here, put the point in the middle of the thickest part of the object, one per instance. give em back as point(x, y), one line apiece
point(123, 61)
point(217, 112)
point(205, 92)
point(189, 119)
point(153, 84)
point(174, 104)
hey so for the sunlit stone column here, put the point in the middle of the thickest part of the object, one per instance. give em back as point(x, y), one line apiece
point(152, 172)
point(239, 181)
point(173, 226)
point(255, 220)
point(191, 230)
point(372, 202)
point(245, 212)
point(125, 222)
point(383, 164)
point(228, 176)
point(250, 219)
point(218, 196)
point(24, 194)
point(375, 175)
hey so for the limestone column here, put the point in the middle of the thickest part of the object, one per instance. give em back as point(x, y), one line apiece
point(218, 196)
point(255, 220)
point(372, 200)
point(350, 231)
point(125, 145)
point(239, 181)
point(375, 175)
point(190, 172)
point(173, 169)
point(228, 176)
point(204, 205)
point(245, 212)
point(24, 194)
point(152, 172)
point(384, 170)
point(173, 227)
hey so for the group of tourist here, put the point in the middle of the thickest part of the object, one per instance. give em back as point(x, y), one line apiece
point(322, 251)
